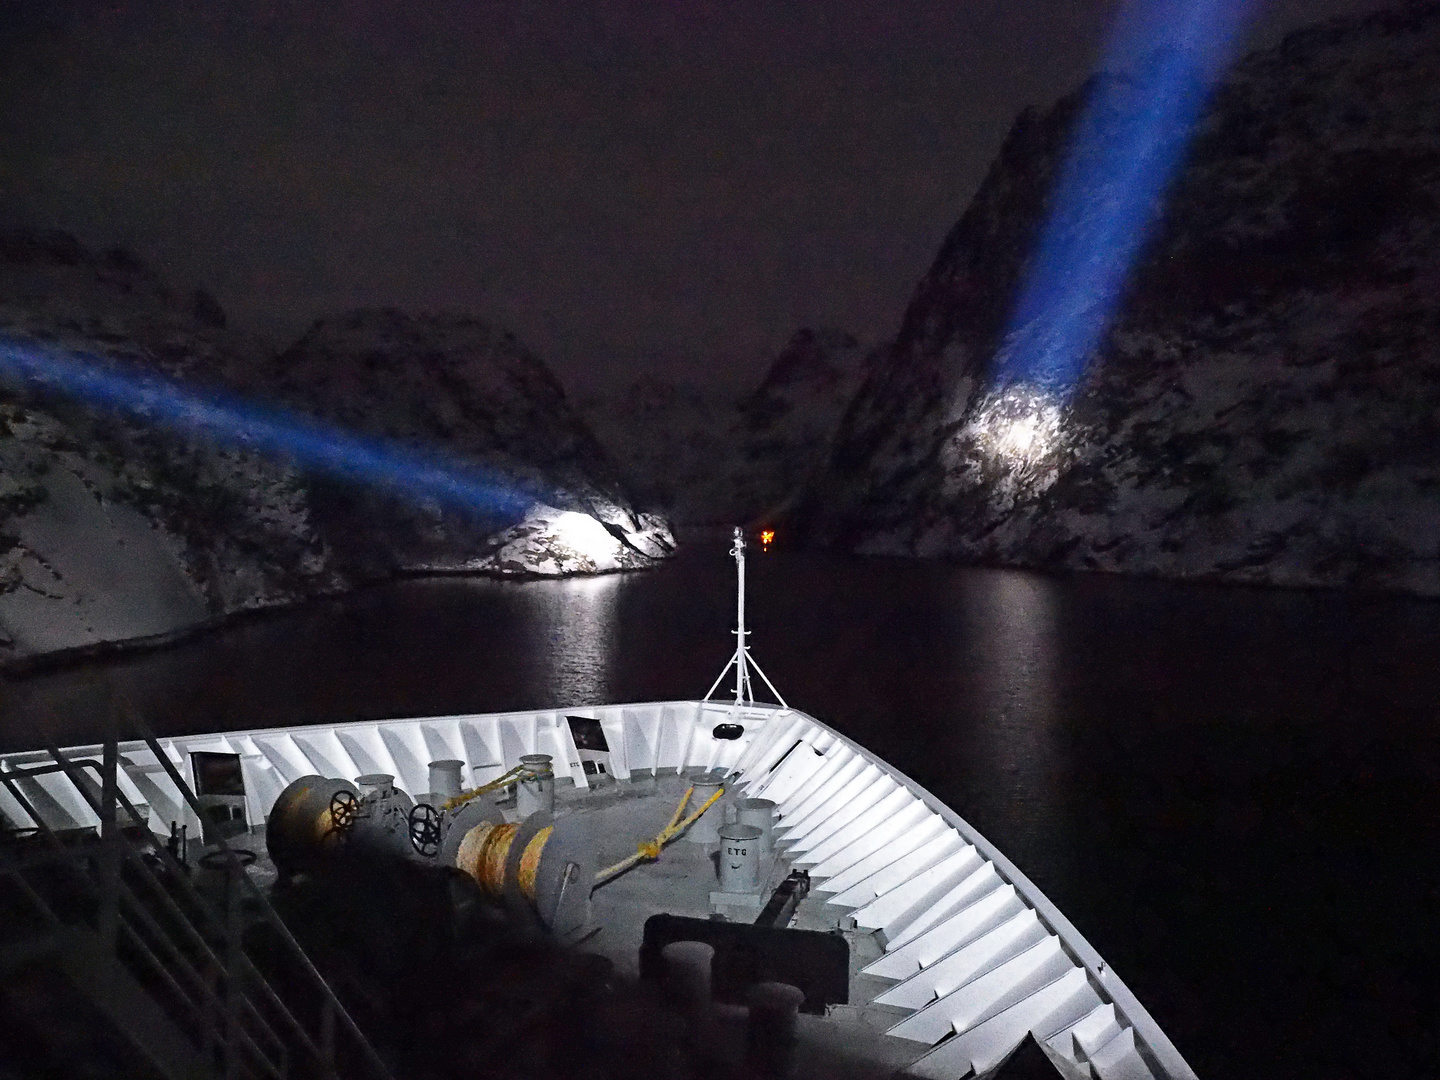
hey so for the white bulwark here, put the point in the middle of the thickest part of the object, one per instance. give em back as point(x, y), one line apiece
point(971, 959)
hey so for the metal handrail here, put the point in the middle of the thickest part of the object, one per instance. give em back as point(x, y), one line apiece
point(271, 915)
point(124, 892)
point(323, 1051)
point(15, 869)
point(196, 938)
point(200, 902)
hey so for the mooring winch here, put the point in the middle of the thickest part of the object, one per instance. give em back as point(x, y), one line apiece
point(539, 864)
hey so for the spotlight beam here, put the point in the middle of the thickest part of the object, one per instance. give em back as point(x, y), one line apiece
point(1126, 147)
point(309, 444)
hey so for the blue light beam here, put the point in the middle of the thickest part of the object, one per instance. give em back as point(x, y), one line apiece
point(1127, 145)
point(306, 443)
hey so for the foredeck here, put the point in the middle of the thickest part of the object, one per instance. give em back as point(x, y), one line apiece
point(955, 956)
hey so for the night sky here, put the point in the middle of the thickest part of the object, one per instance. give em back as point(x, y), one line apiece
point(631, 186)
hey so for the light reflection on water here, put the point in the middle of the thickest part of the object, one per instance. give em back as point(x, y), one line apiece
point(1011, 620)
point(1008, 636)
point(575, 632)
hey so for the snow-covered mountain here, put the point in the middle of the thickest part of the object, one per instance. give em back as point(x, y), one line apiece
point(456, 383)
point(701, 457)
point(1266, 404)
point(111, 529)
point(116, 529)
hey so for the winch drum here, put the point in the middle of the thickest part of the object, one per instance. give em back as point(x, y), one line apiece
point(302, 828)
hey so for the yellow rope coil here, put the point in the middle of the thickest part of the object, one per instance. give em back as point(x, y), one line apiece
point(493, 857)
point(530, 861)
point(482, 855)
point(485, 850)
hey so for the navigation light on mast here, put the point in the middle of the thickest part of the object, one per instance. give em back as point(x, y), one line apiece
point(742, 661)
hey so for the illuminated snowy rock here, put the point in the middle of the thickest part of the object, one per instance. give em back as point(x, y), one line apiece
point(1017, 433)
point(1263, 406)
point(459, 384)
point(551, 542)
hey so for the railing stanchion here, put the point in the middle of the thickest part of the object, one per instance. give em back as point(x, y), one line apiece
point(327, 1039)
point(110, 854)
point(233, 930)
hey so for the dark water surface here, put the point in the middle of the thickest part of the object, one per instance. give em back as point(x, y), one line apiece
point(1232, 793)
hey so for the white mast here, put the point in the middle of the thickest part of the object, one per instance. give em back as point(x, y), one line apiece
point(742, 661)
point(743, 693)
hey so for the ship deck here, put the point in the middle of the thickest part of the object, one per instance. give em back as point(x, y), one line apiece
point(956, 958)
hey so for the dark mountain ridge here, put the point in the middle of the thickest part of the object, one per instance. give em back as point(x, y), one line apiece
point(706, 458)
point(115, 528)
point(1265, 404)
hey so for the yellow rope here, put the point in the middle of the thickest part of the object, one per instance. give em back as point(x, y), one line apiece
point(482, 855)
point(466, 796)
point(676, 830)
point(650, 849)
point(530, 861)
point(492, 860)
point(680, 809)
point(485, 850)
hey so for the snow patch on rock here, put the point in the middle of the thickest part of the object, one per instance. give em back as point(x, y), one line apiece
point(114, 530)
point(551, 542)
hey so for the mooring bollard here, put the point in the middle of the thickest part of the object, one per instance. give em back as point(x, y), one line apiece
point(761, 814)
point(535, 786)
point(706, 829)
point(770, 1042)
point(739, 858)
point(445, 782)
point(687, 972)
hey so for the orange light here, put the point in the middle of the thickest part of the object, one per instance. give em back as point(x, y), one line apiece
point(766, 536)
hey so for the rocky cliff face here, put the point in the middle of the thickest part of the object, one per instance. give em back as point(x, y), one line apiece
point(110, 528)
point(1266, 404)
point(114, 528)
point(456, 383)
point(784, 428)
point(701, 458)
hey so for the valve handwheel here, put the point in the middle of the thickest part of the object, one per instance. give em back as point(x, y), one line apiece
point(425, 829)
point(343, 809)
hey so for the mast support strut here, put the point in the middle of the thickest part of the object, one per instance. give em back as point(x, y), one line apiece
point(742, 661)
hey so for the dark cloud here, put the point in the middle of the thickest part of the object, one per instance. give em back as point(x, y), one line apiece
point(629, 185)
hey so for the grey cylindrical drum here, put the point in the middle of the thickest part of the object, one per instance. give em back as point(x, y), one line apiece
point(535, 786)
point(688, 970)
point(739, 858)
point(378, 784)
point(761, 814)
point(706, 829)
point(445, 779)
point(301, 828)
